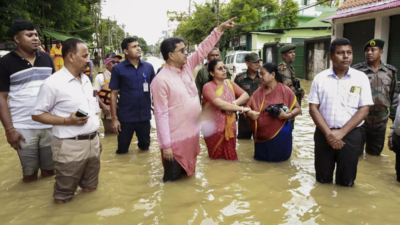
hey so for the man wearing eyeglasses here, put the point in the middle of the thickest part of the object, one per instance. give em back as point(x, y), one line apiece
point(103, 92)
point(131, 79)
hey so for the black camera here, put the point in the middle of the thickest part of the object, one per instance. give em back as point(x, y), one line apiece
point(274, 110)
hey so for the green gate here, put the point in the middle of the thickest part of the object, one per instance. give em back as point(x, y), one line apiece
point(298, 63)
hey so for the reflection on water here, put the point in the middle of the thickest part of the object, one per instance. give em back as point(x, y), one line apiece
point(221, 192)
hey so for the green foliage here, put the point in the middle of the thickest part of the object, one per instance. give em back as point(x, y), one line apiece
point(61, 15)
point(290, 19)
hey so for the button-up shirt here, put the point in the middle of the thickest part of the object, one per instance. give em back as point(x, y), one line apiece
point(134, 104)
point(340, 99)
point(62, 94)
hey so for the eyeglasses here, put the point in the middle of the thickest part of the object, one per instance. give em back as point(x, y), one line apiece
point(222, 68)
point(114, 62)
point(182, 50)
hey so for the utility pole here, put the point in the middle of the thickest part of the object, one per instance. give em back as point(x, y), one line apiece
point(217, 12)
point(101, 35)
point(123, 28)
point(95, 26)
point(109, 33)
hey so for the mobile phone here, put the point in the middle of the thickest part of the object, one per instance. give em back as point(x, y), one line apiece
point(81, 113)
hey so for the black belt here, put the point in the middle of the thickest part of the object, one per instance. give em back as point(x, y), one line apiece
point(90, 136)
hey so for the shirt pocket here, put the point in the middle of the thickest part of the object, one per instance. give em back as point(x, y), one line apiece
point(353, 100)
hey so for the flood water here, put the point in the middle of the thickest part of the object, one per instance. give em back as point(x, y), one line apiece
point(131, 190)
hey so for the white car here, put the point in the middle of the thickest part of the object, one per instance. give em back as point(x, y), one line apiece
point(235, 62)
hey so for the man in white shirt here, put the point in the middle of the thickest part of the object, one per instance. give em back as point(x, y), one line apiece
point(103, 92)
point(339, 101)
point(76, 145)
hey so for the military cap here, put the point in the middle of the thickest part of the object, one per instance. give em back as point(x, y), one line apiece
point(252, 57)
point(374, 43)
point(287, 48)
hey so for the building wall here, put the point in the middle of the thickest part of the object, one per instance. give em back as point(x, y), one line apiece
point(258, 40)
point(382, 24)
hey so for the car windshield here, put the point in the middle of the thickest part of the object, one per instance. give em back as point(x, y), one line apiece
point(240, 58)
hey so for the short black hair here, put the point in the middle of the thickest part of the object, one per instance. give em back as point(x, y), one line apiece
point(70, 45)
point(211, 67)
point(58, 41)
point(20, 25)
point(126, 41)
point(169, 45)
point(339, 41)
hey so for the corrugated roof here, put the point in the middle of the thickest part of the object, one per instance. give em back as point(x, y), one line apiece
point(317, 21)
point(354, 3)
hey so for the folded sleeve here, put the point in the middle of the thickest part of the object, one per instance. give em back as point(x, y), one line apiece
point(45, 100)
point(314, 95)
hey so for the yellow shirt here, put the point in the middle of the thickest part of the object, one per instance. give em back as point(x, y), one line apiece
point(58, 60)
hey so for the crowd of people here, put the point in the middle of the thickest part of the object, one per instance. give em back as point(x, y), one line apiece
point(50, 110)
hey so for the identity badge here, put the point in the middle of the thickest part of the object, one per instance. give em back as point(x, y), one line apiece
point(355, 90)
point(145, 84)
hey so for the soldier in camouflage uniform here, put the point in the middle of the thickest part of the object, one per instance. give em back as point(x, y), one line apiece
point(288, 76)
point(250, 82)
point(383, 79)
point(202, 76)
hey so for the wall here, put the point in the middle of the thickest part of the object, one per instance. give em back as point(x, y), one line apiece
point(382, 24)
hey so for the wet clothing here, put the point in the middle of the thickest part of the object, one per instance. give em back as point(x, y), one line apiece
point(346, 159)
point(77, 162)
point(134, 104)
point(22, 81)
point(142, 130)
point(177, 107)
point(385, 93)
point(36, 152)
point(250, 86)
point(278, 149)
point(271, 132)
point(202, 78)
point(339, 100)
point(58, 60)
point(221, 139)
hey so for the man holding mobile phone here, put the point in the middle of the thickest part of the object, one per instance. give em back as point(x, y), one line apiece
point(66, 101)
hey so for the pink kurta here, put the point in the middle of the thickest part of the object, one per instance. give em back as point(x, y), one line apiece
point(177, 107)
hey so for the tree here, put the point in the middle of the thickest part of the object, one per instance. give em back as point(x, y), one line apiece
point(288, 15)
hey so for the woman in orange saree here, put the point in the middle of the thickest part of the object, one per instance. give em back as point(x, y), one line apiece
point(219, 98)
point(272, 132)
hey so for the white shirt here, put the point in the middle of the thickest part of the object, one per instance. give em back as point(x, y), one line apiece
point(339, 99)
point(62, 94)
point(99, 81)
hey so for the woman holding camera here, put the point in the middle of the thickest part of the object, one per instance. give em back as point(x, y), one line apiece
point(269, 120)
point(219, 98)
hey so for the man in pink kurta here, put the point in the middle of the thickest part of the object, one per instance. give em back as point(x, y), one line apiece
point(177, 104)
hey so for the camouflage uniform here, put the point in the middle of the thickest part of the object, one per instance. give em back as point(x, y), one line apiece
point(202, 79)
point(250, 86)
point(385, 95)
point(288, 78)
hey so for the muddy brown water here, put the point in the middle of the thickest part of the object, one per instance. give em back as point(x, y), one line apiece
point(221, 192)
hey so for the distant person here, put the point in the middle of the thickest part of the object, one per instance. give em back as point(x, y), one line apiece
point(67, 102)
point(203, 74)
point(249, 81)
point(339, 101)
point(286, 68)
point(56, 54)
point(102, 90)
point(177, 104)
point(385, 93)
point(219, 96)
point(89, 71)
point(131, 79)
point(269, 120)
point(159, 69)
point(22, 71)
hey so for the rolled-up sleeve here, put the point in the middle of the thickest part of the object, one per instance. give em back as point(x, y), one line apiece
point(366, 95)
point(161, 114)
point(313, 96)
point(45, 100)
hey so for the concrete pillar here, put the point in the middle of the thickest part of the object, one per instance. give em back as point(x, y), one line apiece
point(382, 25)
point(337, 30)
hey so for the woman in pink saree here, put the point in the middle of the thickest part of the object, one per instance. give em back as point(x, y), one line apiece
point(219, 96)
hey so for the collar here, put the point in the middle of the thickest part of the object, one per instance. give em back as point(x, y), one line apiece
point(381, 67)
point(349, 71)
point(69, 77)
point(108, 73)
point(173, 69)
point(13, 52)
point(128, 63)
point(247, 75)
